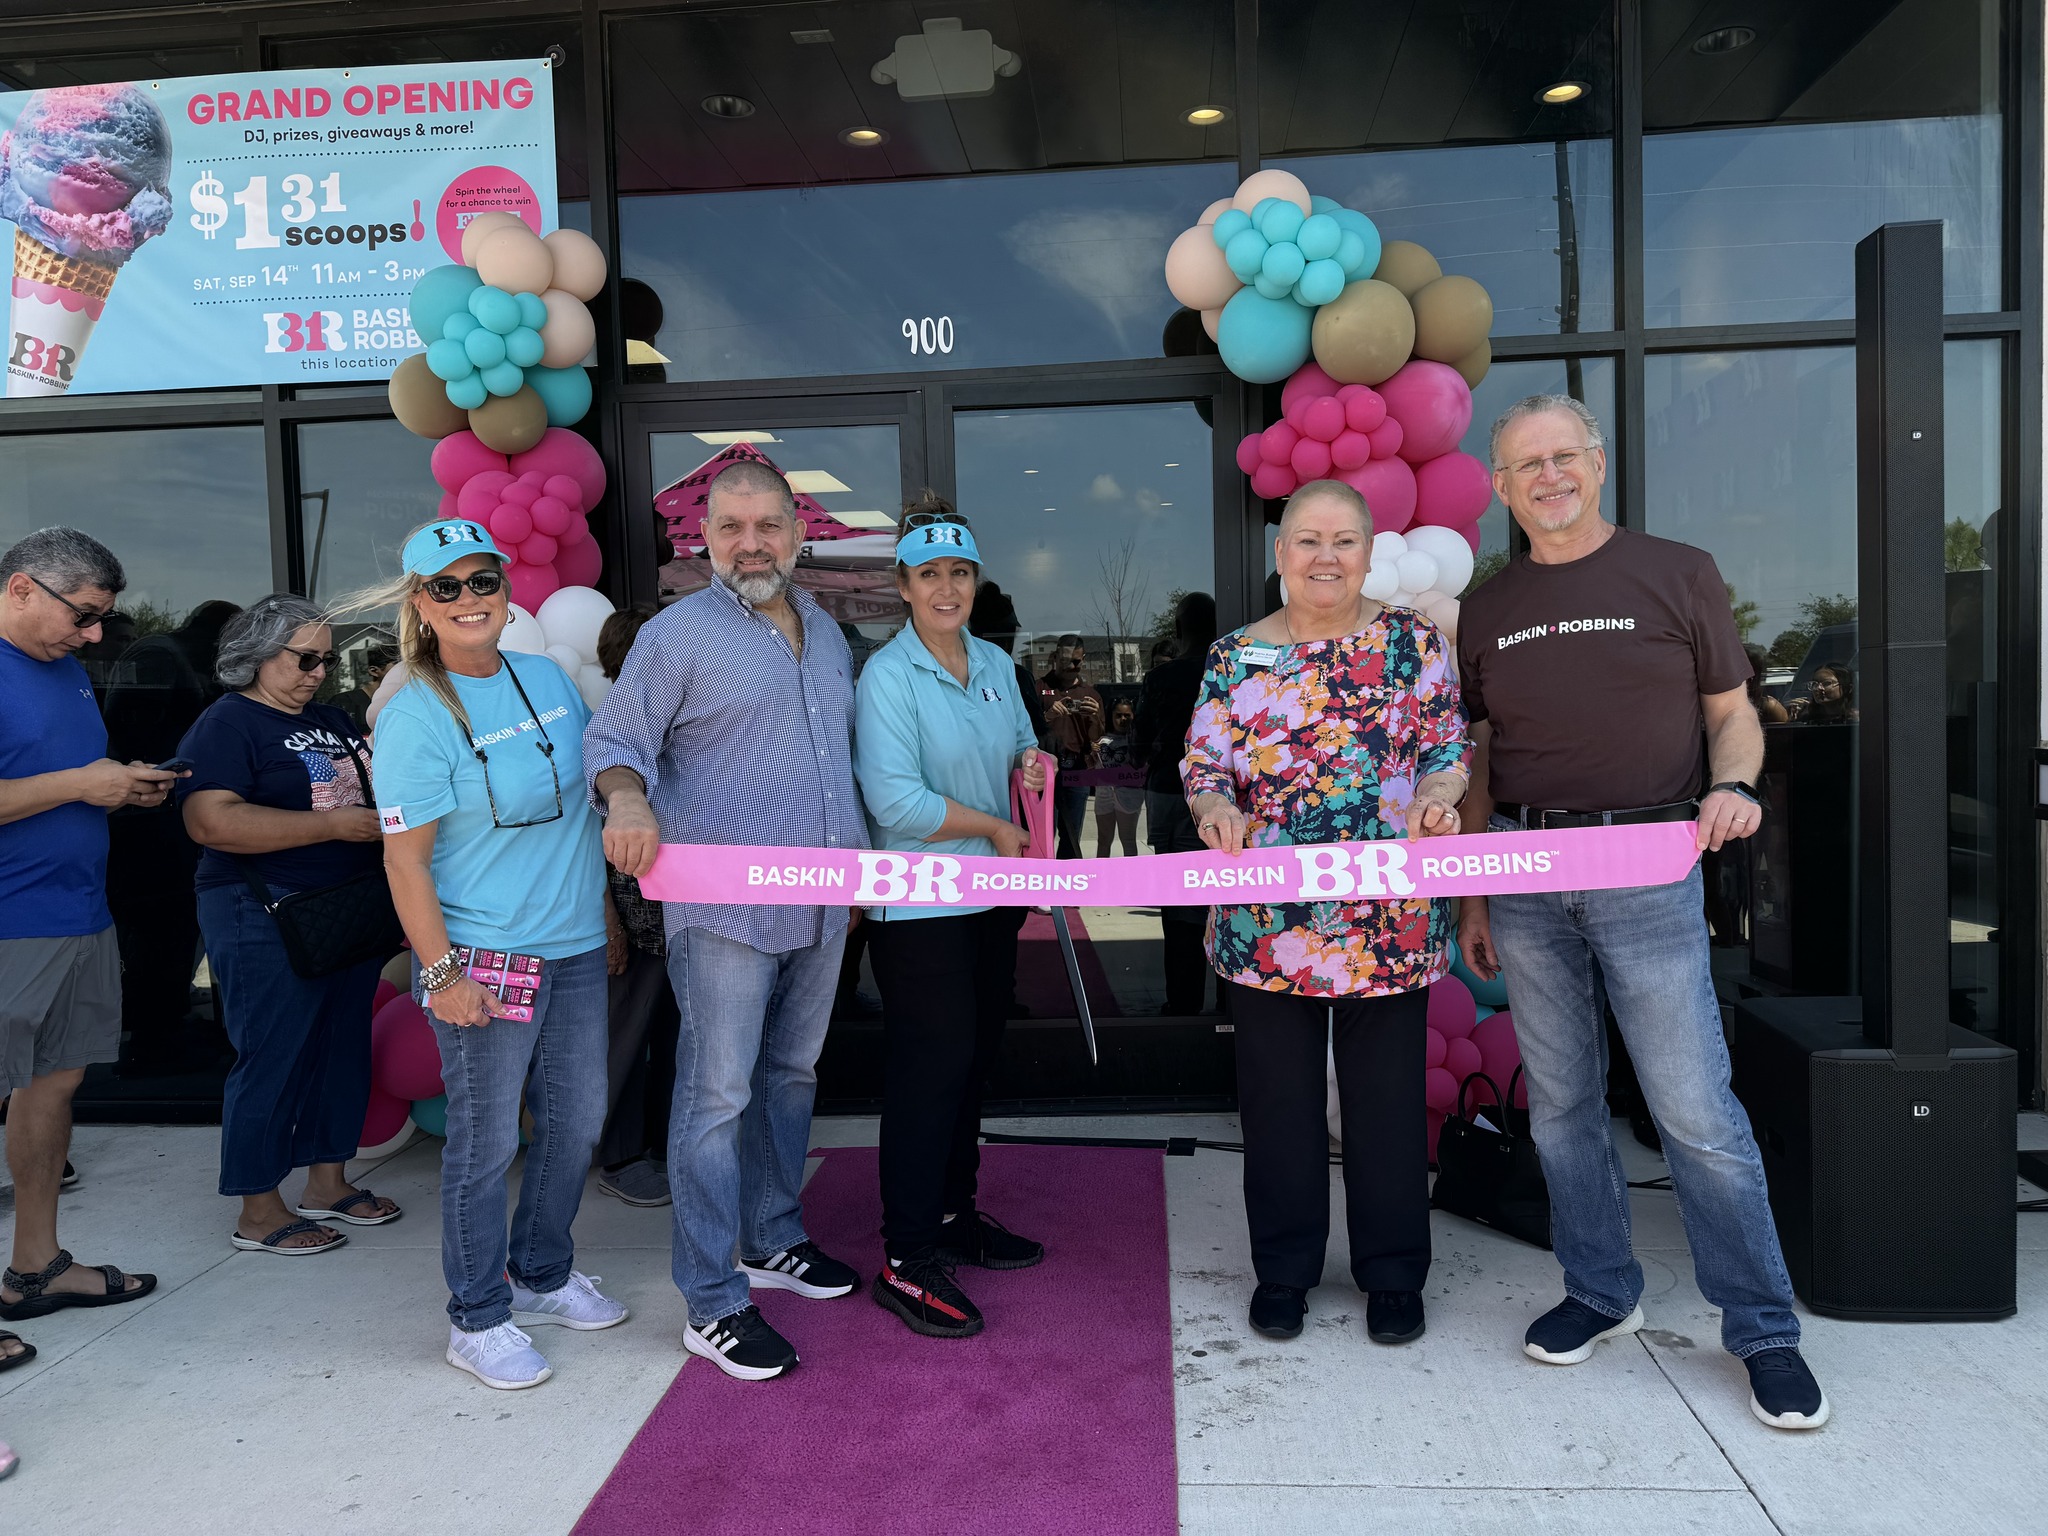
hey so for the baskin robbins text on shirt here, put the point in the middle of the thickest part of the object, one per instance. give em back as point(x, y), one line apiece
point(1562, 627)
point(547, 717)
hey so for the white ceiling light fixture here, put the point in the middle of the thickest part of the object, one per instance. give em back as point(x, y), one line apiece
point(816, 482)
point(863, 137)
point(1559, 94)
point(864, 519)
point(944, 61)
point(1723, 40)
point(1208, 117)
point(727, 439)
point(727, 106)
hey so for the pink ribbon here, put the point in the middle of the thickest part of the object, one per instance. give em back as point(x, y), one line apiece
point(1476, 864)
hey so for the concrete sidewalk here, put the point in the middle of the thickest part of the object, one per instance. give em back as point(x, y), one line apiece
point(271, 1394)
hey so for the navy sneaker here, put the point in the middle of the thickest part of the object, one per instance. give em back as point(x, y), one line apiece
point(921, 1290)
point(1782, 1391)
point(1393, 1317)
point(1277, 1310)
point(979, 1239)
point(1566, 1334)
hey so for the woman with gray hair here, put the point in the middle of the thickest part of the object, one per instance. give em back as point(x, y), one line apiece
point(279, 799)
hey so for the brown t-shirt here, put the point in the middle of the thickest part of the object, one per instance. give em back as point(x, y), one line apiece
point(1591, 672)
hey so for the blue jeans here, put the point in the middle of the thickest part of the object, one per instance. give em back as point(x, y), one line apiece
point(746, 1073)
point(556, 1065)
point(301, 1078)
point(1645, 949)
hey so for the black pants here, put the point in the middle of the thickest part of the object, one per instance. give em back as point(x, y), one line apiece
point(1171, 829)
point(640, 1069)
point(1282, 1103)
point(946, 984)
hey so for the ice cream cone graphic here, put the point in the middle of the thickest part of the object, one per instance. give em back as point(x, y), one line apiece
point(85, 177)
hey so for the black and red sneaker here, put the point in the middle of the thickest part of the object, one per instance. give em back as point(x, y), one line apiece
point(979, 1239)
point(921, 1290)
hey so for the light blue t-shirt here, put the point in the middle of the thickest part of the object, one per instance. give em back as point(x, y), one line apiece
point(536, 890)
point(921, 739)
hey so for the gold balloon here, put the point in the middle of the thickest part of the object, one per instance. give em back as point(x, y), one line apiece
point(1365, 334)
point(510, 423)
point(1452, 316)
point(1406, 266)
point(1473, 365)
point(420, 401)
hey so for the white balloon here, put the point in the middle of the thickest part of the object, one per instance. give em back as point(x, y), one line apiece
point(565, 657)
point(592, 684)
point(1387, 548)
point(572, 616)
point(1418, 571)
point(393, 681)
point(1382, 581)
point(1442, 611)
point(523, 634)
point(1453, 556)
point(1401, 599)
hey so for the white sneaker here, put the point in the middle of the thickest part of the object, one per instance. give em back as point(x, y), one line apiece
point(501, 1357)
point(576, 1304)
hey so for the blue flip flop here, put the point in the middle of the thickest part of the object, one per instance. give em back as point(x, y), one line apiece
point(342, 1207)
point(274, 1243)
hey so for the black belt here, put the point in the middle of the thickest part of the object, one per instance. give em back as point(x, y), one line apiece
point(1551, 821)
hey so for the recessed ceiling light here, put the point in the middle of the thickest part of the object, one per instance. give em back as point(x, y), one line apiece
point(1030, 471)
point(1208, 117)
point(1565, 90)
point(1052, 509)
point(1174, 465)
point(863, 138)
point(1724, 40)
point(727, 106)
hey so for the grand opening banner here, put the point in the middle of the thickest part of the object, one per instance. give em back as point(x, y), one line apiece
point(253, 229)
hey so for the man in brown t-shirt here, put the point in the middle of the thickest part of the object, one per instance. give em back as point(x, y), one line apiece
point(1075, 719)
point(1605, 682)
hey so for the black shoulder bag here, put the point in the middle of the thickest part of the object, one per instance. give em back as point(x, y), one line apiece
point(1492, 1176)
point(336, 926)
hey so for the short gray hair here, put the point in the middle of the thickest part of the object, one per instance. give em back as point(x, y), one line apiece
point(750, 477)
point(1537, 405)
point(259, 632)
point(1349, 496)
point(65, 560)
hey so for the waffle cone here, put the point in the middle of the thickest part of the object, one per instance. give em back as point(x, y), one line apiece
point(37, 262)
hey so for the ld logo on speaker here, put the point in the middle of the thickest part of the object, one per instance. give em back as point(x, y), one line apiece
point(1923, 1111)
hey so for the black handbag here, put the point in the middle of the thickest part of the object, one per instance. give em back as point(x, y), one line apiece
point(333, 927)
point(1492, 1176)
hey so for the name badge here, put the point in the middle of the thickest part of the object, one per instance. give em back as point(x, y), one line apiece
point(1259, 655)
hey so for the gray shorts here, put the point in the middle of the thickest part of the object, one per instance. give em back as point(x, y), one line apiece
point(60, 1005)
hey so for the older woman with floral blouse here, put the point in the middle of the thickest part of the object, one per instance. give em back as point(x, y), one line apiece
point(1333, 720)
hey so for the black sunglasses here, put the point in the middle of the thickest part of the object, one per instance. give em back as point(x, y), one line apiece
point(82, 618)
point(445, 589)
point(547, 750)
point(312, 661)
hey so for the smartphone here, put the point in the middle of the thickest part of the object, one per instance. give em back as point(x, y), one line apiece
point(175, 765)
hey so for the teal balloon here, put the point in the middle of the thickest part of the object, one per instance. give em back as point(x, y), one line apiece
point(467, 393)
point(1494, 993)
point(440, 292)
point(565, 392)
point(533, 314)
point(495, 308)
point(1271, 287)
point(1282, 222)
point(486, 348)
point(431, 1115)
point(1263, 340)
point(1322, 204)
point(503, 379)
point(447, 361)
point(1367, 231)
point(1319, 236)
point(458, 325)
point(1283, 265)
point(524, 345)
point(1480, 1010)
point(1264, 206)
point(1245, 253)
point(1321, 282)
point(1351, 255)
point(1230, 223)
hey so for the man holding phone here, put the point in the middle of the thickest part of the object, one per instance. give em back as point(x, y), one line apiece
point(60, 970)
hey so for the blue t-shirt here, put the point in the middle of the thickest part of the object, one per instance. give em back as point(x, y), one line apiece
point(53, 865)
point(536, 890)
point(287, 762)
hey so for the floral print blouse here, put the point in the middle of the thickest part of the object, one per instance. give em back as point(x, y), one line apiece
point(1324, 742)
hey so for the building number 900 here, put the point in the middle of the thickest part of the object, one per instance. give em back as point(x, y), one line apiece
point(928, 335)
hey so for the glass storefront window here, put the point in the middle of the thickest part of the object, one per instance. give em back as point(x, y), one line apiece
point(1588, 379)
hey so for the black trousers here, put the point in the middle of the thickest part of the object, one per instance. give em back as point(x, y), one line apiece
point(640, 1065)
point(1282, 1105)
point(946, 985)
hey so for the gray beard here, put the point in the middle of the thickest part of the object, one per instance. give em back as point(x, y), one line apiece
point(757, 590)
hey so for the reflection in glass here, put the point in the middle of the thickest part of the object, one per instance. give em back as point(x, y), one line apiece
point(1589, 379)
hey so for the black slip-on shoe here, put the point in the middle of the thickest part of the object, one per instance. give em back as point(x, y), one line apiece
point(1566, 1334)
point(1277, 1310)
point(979, 1239)
point(1782, 1391)
point(921, 1290)
point(1393, 1317)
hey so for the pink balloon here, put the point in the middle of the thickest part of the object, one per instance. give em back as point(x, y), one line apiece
point(405, 1059)
point(447, 507)
point(565, 490)
point(538, 549)
point(573, 533)
point(1433, 403)
point(1308, 381)
point(579, 564)
point(1385, 439)
point(523, 492)
point(1248, 458)
point(384, 993)
point(1364, 407)
point(1461, 1058)
point(1499, 1052)
point(532, 585)
point(1350, 450)
point(1452, 1011)
point(1388, 486)
point(1323, 418)
point(550, 516)
point(479, 494)
point(1276, 443)
point(459, 456)
point(1432, 1049)
point(1311, 459)
point(1295, 412)
point(1451, 490)
point(1439, 1089)
point(562, 452)
point(1272, 481)
point(510, 525)
point(1471, 536)
point(384, 1115)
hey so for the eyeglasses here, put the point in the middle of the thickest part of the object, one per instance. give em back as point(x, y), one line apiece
point(313, 661)
point(1529, 469)
point(547, 749)
point(83, 618)
point(445, 589)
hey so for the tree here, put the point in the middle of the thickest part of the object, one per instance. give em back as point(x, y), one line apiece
point(1747, 614)
point(1119, 600)
point(1161, 627)
point(1962, 547)
point(1486, 565)
point(1815, 614)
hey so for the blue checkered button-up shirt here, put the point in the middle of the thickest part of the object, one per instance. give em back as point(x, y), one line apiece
point(738, 741)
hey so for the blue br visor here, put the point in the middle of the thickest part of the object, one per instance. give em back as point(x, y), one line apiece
point(933, 540)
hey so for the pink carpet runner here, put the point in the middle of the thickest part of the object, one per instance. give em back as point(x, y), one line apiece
point(1057, 1420)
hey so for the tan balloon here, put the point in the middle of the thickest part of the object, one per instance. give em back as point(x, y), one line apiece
point(420, 401)
point(579, 264)
point(1406, 266)
point(1196, 272)
point(1209, 213)
point(569, 332)
point(1260, 185)
point(515, 260)
point(510, 423)
point(1473, 365)
point(1452, 316)
point(1211, 318)
point(474, 231)
point(1365, 334)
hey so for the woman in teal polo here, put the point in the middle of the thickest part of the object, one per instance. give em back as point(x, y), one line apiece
point(938, 727)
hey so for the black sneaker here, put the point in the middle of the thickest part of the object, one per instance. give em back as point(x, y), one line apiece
point(742, 1345)
point(1277, 1310)
point(1782, 1391)
point(1393, 1317)
point(70, 1176)
point(921, 1291)
point(806, 1269)
point(979, 1239)
point(1566, 1334)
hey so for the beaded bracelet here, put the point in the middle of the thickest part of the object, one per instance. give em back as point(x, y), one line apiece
point(443, 973)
